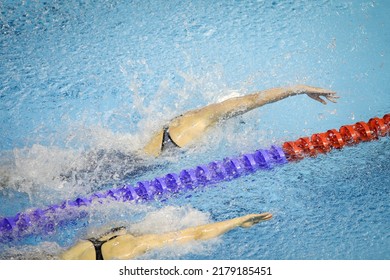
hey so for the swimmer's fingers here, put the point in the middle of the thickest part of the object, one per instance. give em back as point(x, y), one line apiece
point(331, 96)
point(265, 216)
point(250, 220)
point(316, 97)
point(317, 93)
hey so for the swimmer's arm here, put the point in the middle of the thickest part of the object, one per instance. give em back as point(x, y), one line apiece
point(240, 105)
point(208, 231)
point(192, 125)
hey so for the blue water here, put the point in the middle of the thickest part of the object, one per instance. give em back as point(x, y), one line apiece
point(90, 81)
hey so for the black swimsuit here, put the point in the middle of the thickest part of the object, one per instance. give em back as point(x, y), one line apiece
point(167, 141)
point(98, 246)
point(98, 243)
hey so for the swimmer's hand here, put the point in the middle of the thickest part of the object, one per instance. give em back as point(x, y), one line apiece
point(316, 93)
point(250, 220)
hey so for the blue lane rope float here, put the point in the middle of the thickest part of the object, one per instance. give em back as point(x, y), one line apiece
point(45, 221)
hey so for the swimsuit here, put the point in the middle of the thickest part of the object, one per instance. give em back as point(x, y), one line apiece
point(98, 246)
point(167, 141)
point(98, 243)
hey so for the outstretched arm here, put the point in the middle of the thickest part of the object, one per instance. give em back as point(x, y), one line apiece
point(240, 105)
point(208, 231)
point(192, 125)
point(129, 247)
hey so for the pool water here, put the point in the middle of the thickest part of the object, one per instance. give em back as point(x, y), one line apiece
point(85, 84)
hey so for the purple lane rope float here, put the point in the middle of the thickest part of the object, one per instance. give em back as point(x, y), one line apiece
point(46, 220)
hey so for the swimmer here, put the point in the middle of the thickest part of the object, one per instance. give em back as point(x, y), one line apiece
point(121, 245)
point(179, 132)
point(185, 129)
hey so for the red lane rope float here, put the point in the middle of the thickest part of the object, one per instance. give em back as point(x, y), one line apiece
point(321, 142)
point(306, 145)
point(349, 134)
point(337, 139)
point(364, 131)
point(386, 119)
point(378, 126)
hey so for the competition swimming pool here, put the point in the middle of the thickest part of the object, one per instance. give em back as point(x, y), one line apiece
point(83, 84)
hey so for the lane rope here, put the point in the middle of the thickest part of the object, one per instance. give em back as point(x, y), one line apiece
point(46, 220)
